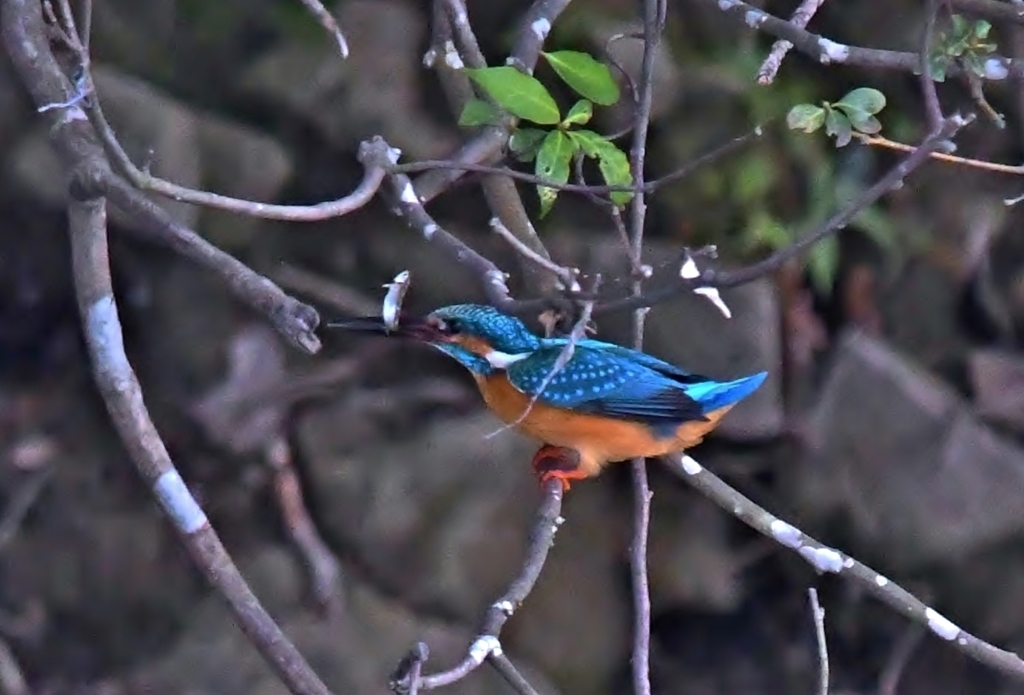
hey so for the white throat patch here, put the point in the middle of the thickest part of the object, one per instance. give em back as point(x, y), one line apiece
point(501, 360)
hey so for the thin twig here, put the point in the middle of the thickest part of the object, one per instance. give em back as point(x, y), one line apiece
point(825, 51)
point(932, 107)
point(733, 278)
point(487, 646)
point(324, 568)
point(818, 618)
point(328, 22)
point(123, 396)
point(653, 16)
point(566, 275)
point(879, 141)
point(358, 198)
point(26, 40)
point(826, 559)
point(801, 17)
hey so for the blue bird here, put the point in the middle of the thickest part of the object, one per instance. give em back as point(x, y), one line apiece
point(607, 403)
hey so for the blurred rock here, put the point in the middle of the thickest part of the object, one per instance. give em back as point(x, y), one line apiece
point(901, 458)
point(356, 653)
point(179, 144)
point(16, 112)
point(230, 413)
point(692, 562)
point(921, 317)
point(689, 331)
point(441, 518)
point(374, 91)
point(997, 378)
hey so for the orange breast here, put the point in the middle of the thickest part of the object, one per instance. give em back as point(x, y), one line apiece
point(599, 440)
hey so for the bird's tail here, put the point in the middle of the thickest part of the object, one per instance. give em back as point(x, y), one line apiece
point(713, 395)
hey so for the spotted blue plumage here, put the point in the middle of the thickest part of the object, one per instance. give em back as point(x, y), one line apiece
point(601, 378)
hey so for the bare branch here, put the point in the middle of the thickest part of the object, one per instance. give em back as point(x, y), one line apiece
point(123, 396)
point(932, 107)
point(328, 22)
point(566, 275)
point(826, 51)
point(995, 10)
point(324, 568)
point(818, 618)
point(826, 559)
point(654, 18)
point(801, 17)
point(24, 37)
point(733, 278)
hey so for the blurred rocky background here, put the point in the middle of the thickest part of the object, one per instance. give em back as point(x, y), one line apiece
point(892, 424)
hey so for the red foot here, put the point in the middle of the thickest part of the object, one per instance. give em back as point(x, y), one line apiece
point(558, 463)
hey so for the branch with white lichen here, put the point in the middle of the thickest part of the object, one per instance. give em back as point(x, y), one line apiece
point(828, 560)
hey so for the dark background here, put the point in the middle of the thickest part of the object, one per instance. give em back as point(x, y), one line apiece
point(890, 427)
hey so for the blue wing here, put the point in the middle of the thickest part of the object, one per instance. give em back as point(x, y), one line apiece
point(618, 382)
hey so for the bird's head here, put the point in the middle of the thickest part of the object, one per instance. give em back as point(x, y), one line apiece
point(480, 337)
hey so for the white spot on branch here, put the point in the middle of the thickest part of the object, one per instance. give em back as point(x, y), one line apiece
point(941, 625)
point(484, 646)
point(540, 28)
point(822, 559)
point(755, 18)
point(832, 52)
point(995, 69)
point(786, 534)
point(451, 56)
point(178, 502)
point(409, 194)
point(690, 465)
point(105, 327)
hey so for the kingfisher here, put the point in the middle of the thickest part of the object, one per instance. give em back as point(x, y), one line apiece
point(607, 403)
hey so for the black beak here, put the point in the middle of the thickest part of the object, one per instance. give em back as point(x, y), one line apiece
point(408, 327)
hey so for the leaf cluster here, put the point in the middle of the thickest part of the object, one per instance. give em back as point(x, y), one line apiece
point(855, 112)
point(964, 42)
point(553, 149)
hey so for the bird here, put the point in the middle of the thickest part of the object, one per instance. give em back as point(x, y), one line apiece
point(607, 403)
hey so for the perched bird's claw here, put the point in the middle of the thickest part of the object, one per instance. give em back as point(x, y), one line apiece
point(558, 463)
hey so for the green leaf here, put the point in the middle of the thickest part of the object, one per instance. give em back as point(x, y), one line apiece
point(553, 159)
point(981, 29)
point(611, 161)
point(525, 142)
point(518, 93)
point(822, 264)
point(805, 117)
point(589, 77)
point(861, 121)
point(838, 125)
point(868, 100)
point(478, 112)
point(589, 142)
point(579, 114)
